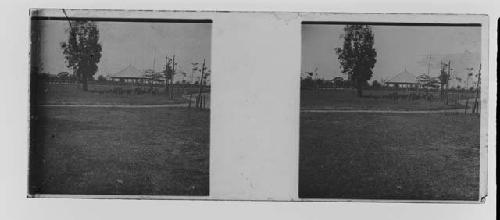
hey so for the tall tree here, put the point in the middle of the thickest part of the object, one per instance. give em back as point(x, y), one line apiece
point(357, 56)
point(82, 50)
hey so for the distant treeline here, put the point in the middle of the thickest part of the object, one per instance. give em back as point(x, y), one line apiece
point(67, 78)
point(308, 83)
point(337, 82)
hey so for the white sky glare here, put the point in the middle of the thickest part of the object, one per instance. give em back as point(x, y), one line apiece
point(398, 47)
point(137, 43)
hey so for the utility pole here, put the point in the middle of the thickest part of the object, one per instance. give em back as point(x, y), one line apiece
point(442, 79)
point(476, 103)
point(466, 88)
point(448, 80)
point(429, 65)
point(166, 75)
point(201, 83)
point(154, 61)
point(172, 78)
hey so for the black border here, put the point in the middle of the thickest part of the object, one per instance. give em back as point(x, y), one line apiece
point(393, 23)
point(111, 19)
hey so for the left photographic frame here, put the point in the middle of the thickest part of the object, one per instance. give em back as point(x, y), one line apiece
point(119, 106)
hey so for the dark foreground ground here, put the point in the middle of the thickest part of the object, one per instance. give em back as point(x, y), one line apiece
point(130, 151)
point(389, 156)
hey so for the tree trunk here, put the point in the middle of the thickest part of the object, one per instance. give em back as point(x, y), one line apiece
point(359, 87)
point(84, 82)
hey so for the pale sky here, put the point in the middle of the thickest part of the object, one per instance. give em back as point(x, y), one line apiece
point(135, 43)
point(398, 47)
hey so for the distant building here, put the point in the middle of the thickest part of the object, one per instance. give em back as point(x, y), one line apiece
point(403, 80)
point(129, 74)
point(427, 81)
point(133, 75)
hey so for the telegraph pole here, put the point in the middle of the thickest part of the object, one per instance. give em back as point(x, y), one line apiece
point(466, 88)
point(154, 61)
point(448, 80)
point(172, 78)
point(201, 83)
point(166, 75)
point(429, 65)
point(476, 104)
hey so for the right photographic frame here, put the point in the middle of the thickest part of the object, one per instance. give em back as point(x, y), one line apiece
point(392, 111)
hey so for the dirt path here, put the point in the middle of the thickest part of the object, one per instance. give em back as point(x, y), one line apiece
point(383, 111)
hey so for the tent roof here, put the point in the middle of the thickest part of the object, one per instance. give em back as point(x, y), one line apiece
point(403, 77)
point(129, 72)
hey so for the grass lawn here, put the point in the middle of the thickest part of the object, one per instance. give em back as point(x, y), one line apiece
point(130, 151)
point(347, 99)
point(72, 94)
point(389, 156)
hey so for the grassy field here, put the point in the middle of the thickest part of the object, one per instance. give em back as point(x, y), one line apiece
point(389, 156)
point(347, 99)
point(145, 151)
point(72, 94)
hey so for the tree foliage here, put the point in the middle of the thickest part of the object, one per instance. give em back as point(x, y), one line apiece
point(357, 56)
point(82, 50)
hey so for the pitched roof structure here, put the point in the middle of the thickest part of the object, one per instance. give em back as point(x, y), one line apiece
point(129, 72)
point(404, 77)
